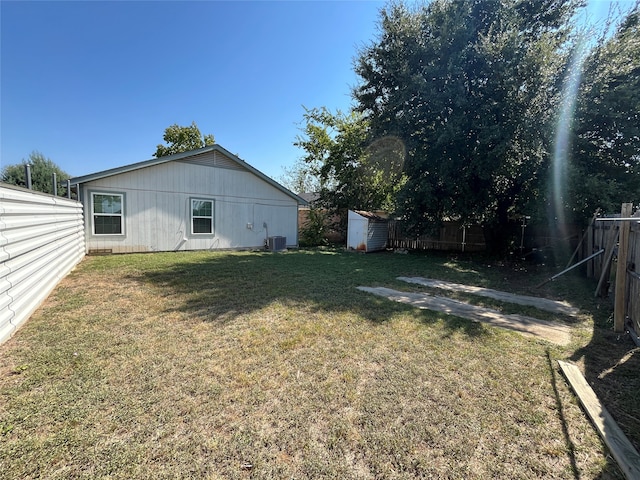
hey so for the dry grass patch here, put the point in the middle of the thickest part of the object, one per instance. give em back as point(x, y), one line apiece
point(249, 365)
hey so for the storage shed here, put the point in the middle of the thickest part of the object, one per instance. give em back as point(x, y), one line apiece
point(204, 199)
point(366, 231)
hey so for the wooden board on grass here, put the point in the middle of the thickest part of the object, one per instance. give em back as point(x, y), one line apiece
point(551, 331)
point(621, 448)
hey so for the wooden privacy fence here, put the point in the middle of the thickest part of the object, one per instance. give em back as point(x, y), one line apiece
point(456, 236)
point(627, 308)
point(452, 236)
point(618, 237)
point(41, 240)
point(633, 275)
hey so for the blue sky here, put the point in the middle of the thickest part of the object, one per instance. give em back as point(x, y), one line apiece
point(92, 85)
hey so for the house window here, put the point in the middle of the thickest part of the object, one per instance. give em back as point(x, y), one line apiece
point(107, 213)
point(201, 216)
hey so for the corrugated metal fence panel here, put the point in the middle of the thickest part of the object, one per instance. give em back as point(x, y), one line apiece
point(41, 241)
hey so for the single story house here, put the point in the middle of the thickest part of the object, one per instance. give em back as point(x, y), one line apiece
point(204, 199)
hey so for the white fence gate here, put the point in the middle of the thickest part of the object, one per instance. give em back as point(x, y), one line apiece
point(41, 241)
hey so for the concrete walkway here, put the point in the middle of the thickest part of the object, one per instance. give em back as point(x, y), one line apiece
point(551, 331)
point(553, 306)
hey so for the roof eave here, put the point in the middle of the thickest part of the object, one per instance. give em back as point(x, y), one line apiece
point(136, 166)
point(179, 156)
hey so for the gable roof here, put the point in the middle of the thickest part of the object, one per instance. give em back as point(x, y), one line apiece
point(181, 156)
point(309, 197)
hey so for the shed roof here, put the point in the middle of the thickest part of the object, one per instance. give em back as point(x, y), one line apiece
point(181, 156)
point(371, 216)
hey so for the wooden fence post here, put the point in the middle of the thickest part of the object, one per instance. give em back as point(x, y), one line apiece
point(605, 271)
point(621, 271)
point(590, 237)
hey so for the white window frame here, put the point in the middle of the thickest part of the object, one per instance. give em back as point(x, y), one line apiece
point(192, 217)
point(94, 214)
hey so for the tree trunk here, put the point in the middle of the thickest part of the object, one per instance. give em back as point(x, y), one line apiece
point(499, 233)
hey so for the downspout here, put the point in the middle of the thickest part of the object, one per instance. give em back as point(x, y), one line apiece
point(266, 237)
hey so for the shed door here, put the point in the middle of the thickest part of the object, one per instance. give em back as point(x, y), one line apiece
point(357, 230)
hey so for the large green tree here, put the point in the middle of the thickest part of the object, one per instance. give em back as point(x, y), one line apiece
point(300, 178)
point(470, 87)
point(352, 170)
point(182, 139)
point(42, 169)
point(605, 164)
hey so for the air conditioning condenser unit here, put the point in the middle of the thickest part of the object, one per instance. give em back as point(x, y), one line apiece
point(277, 244)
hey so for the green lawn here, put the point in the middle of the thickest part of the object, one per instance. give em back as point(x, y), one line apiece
point(259, 365)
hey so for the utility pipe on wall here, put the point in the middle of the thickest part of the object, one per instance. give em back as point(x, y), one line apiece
point(27, 175)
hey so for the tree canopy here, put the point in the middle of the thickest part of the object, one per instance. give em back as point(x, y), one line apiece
point(469, 96)
point(42, 169)
point(182, 139)
point(470, 88)
point(300, 178)
point(351, 170)
point(605, 164)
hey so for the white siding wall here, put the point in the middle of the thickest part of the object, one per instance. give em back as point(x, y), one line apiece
point(157, 208)
point(41, 240)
